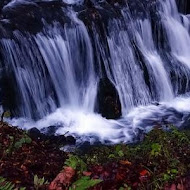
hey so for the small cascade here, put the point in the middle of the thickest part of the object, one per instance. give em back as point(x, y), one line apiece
point(177, 35)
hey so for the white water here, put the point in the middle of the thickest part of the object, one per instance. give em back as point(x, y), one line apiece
point(178, 35)
point(57, 80)
point(93, 127)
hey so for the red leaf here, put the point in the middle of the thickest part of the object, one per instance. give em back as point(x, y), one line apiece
point(144, 173)
point(87, 173)
point(125, 162)
point(63, 178)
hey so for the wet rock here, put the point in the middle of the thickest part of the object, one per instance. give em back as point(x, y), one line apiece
point(70, 140)
point(139, 135)
point(59, 140)
point(186, 122)
point(156, 103)
point(8, 99)
point(108, 100)
point(34, 133)
point(183, 6)
point(88, 3)
point(68, 148)
point(50, 130)
point(48, 135)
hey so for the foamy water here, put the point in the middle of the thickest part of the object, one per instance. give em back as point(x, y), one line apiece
point(93, 127)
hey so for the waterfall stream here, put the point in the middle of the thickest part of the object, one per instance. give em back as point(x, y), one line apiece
point(56, 70)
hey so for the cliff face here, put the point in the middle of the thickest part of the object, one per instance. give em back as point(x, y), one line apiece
point(29, 15)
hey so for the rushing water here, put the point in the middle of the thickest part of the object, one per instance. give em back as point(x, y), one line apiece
point(57, 70)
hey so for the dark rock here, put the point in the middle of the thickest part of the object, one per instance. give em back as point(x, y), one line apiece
point(8, 99)
point(139, 135)
point(70, 140)
point(34, 133)
point(49, 131)
point(84, 147)
point(59, 140)
point(88, 3)
point(186, 123)
point(108, 100)
point(48, 135)
point(183, 6)
point(156, 103)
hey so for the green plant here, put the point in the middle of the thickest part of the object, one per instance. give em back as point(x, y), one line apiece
point(10, 147)
point(76, 163)
point(38, 182)
point(23, 140)
point(15, 145)
point(125, 187)
point(180, 136)
point(5, 185)
point(156, 149)
point(170, 175)
point(84, 183)
point(119, 151)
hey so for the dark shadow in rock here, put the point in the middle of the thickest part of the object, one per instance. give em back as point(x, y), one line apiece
point(35, 133)
point(108, 103)
point(85, 147)
point(70, 140)
point(48, 134)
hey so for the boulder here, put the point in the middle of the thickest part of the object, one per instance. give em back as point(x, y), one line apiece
point(108, 103)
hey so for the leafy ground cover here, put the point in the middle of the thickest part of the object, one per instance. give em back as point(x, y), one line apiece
point(160, 161)
point(21, 157)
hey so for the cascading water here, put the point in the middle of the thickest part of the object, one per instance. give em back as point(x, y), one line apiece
point(56, 69)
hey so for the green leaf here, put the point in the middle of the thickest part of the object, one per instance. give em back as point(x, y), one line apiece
point(174, 171)
point(84, 183)
point(118, 148)
point(111, 156)
point(75, 162)
point(35, 180)
point(22, 188)
point(156, 149)
point(28, 140)
point(39, 182)
point(18, 144)
point(5, 185)
point(120, 153)
point(166, 177)
point(23, 140)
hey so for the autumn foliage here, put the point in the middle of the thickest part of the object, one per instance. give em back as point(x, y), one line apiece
point(161, 161)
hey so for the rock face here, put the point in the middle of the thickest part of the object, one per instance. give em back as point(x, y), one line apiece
point(7, 92)
point(108, 100)
point(184, 6)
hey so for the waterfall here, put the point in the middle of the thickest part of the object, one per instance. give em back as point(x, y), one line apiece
point(56, 67)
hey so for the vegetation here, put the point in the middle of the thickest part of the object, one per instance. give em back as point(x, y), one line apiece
point(161, 161)
point(5, 185)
